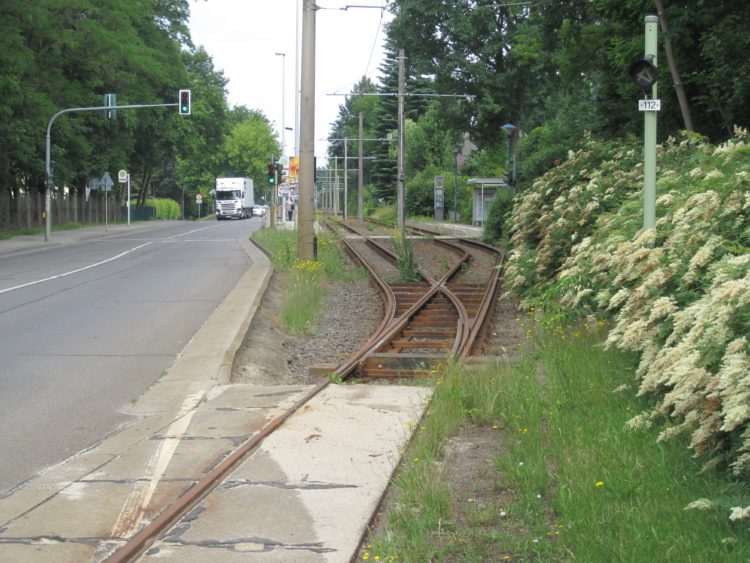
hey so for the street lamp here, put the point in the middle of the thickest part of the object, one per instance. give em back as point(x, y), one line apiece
point(508, 128)
point(283, 101)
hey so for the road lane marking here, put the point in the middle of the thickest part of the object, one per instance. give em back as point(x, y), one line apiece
point(135, 506)
point(64, 274)
point(189, 232)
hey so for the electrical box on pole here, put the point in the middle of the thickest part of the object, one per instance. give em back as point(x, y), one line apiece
point(184, 102)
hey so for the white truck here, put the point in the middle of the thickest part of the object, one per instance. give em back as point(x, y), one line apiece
point(234, 198)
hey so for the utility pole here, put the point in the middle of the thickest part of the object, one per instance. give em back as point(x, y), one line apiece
point(649, 132)
point(297, 55)
point(360, 197)
point(306, 247)
point(283, 102)
point(346, 178)
point(400, 187)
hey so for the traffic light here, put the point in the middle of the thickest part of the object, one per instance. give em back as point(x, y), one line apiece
point(279, 171)
point(271, 174)
point(184, 102)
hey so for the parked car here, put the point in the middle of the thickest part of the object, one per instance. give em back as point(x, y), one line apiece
point(259, 210)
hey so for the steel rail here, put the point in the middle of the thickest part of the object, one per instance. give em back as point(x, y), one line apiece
point(381, 340)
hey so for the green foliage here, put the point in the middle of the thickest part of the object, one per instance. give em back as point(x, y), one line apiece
point(574, 482)
point(248, 146)
point(405, 263)
point(679, 294)
point(166, 209)
point(496, 227)
point(419, 198)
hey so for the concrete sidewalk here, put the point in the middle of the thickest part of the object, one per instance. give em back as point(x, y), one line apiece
point(305, 494)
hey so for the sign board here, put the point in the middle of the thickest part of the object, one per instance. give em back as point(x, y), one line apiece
point(649, 105)
point(439, 191)
point(122, 176)
point(439, 199)
point(198, 198)
point(106, 182)
point(294, 167)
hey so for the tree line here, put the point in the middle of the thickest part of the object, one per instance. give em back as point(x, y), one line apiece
point(556, 70)
point(57, 54)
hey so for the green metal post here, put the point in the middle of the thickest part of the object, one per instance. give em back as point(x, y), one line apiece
point(649, 133)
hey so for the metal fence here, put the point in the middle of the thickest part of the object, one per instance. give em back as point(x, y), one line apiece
point(25, 210)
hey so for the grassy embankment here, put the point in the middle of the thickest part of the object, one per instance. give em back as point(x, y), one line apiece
point(573, 483)
point(305, 280)
point(600, 421)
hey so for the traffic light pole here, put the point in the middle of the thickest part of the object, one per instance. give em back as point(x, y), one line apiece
point(47, 162)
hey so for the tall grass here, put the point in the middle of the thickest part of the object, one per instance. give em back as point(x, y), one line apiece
point(579, 484)
point(305, 280)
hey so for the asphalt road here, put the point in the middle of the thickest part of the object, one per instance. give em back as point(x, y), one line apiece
point(87, 326)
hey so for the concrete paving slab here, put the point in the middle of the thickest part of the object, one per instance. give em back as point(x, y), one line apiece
point(310, 488)
point(47, 484)
point(189, 460)
point(171, 397)
point(44, 550)
point(225, 423)
point(219, 553)
point(85, 510)
point(143, 428)
point(255, 396)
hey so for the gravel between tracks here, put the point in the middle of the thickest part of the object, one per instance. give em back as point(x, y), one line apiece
point(270, 356)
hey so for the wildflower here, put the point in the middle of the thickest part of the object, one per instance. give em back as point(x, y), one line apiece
point(739, 513)
point(700, 504)
point(599, 484)
point(366, 556)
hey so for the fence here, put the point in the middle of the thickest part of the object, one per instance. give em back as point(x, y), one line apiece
point(25, 210)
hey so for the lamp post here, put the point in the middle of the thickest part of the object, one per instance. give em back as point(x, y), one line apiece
point(508, 128)
point(283, 101)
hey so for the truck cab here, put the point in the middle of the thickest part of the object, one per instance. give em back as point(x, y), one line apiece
point(234, 198)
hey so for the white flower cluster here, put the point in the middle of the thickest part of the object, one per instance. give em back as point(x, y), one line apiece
point(679, 294)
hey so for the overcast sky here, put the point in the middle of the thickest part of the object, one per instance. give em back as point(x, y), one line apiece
point(242, 37)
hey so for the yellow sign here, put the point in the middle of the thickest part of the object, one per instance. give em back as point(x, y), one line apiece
point(294, 167)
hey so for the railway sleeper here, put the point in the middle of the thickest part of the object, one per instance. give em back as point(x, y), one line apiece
point(426, 344)
point(391, 364)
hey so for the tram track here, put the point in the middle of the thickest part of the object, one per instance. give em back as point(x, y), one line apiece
point(425, 324)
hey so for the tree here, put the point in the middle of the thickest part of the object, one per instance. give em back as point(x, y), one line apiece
point(249, 148)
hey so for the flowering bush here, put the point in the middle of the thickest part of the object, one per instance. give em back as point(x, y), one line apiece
point(678, 294)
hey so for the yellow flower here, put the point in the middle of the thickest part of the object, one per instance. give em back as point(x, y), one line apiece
point(599, 484)
point(366, 556)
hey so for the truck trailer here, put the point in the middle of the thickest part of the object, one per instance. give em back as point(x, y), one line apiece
point(234, 198)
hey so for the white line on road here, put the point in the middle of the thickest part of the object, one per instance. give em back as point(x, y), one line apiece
point(75, 271)
point(190, 232)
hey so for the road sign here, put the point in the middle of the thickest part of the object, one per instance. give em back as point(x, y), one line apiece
point(106, 182)
point(198, 198)
point(649, 105)
point(122, 176)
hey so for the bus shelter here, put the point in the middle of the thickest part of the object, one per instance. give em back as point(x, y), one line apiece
point(484, 191)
